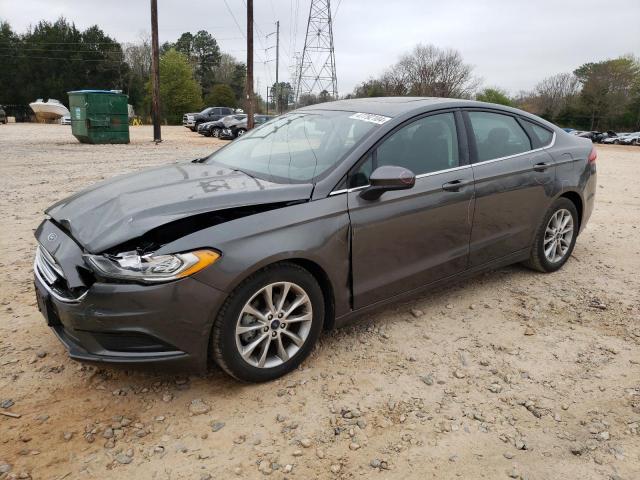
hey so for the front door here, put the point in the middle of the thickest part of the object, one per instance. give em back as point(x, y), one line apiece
point(406, 239)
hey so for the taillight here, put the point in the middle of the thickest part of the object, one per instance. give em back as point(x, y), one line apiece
point(593, 155)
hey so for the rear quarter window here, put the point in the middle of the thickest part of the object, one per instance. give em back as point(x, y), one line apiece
point(542, 136)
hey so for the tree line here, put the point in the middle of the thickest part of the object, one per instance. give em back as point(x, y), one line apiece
point(52, 58)
point(602, 95)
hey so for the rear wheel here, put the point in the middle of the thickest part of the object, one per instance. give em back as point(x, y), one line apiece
point(269, 324)
point(241, 131)
point(215, 132)
point(555, 238)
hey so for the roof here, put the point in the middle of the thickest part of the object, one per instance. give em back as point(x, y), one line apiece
point(387, 106)
point(395, 106)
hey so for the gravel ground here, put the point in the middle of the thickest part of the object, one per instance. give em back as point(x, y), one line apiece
point(513, 374)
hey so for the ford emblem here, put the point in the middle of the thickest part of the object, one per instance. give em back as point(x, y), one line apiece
point(52, 236)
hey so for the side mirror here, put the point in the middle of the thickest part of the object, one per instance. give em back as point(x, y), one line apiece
point(388, 178)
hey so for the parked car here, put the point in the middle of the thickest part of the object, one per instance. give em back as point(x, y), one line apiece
point(630, 139)
point(313, 219)
point(593, 136)
point(237, 129)
point(213, 129)
point(210, 114)
point(66, 120)
point(3, 115)
point(614, 140)
point(604, 135)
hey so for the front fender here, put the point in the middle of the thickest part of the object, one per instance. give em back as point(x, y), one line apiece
point(316, 231)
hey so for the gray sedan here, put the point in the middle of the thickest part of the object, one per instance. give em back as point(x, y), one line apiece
point(303, 224)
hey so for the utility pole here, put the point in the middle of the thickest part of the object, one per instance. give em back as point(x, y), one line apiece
point(155, 73)
point(277, 64)
point(250, 64)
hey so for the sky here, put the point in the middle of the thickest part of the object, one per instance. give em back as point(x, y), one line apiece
point(511, 44)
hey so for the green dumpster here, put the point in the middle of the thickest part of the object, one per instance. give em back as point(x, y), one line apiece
point(99, 116)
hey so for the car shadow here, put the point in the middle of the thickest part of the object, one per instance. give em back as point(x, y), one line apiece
point(223, 383)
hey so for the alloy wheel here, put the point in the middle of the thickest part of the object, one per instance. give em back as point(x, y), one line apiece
point(558, 235)
point(274, 324)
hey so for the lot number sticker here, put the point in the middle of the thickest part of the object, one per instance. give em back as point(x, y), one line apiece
point(371, 118)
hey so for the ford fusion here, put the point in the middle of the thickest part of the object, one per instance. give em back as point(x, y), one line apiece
point(244, 257)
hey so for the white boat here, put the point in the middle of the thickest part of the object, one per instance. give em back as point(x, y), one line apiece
point(50, 110)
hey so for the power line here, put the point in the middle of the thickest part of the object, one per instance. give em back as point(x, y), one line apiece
point(60, 50)
point(335, 13)
point(63, 43)
point(66, 58)
point(235, 20)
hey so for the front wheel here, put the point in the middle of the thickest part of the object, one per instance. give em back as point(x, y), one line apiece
point(215, 132)
point(555, 238)
point(269, 324)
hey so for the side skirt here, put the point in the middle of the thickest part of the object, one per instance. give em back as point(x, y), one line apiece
point(510, 259)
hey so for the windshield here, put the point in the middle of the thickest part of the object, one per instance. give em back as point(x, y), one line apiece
point(297, 147)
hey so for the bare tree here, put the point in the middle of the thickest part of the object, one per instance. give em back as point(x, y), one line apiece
point(138, 55)
point(555, 93)
point(426, 71)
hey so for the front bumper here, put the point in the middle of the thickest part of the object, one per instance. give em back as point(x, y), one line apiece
point(165, 325)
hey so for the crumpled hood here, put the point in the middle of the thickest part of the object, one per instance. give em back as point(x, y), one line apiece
point(125, 207)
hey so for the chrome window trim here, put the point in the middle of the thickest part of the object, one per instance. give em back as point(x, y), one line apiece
point(437, 172)
point(553, 141)
point(422, 175)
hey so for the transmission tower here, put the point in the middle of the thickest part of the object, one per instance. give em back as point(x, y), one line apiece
point(317, 71)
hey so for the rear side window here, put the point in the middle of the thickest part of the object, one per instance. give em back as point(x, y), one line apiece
point(427, 145)
point(541, 134)
point(497, 135)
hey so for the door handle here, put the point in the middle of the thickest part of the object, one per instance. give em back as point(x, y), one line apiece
point(541, 167)
point(455, 185)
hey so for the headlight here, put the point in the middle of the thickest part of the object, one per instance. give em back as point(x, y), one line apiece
point(151, 268)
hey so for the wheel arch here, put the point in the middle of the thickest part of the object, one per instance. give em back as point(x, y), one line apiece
point(576, 199)
point(318, 272)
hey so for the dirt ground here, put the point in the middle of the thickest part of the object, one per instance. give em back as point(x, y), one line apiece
point(513, 374)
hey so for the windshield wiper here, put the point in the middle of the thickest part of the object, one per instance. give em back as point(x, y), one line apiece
point(242, 171)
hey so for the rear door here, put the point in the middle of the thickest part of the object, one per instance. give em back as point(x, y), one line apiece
point(406, 239)
point(513, 179)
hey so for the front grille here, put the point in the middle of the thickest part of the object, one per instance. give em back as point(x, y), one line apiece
point(52, 276)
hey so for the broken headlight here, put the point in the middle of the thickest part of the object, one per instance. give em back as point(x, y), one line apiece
point(151, 268)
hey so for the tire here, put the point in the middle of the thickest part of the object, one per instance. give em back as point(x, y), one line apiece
point(226, 343)
point(215, 132)
point(241, 132)
point(539, 259)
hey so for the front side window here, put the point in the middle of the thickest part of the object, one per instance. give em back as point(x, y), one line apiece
point(497, 135)
point(297, 147)
point(427, 145)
